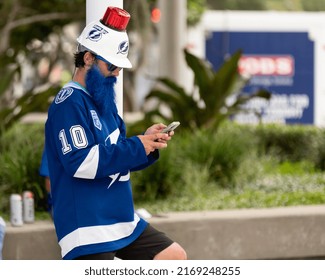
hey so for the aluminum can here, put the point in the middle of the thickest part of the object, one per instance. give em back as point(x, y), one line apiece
point(16, 210)
point(28, 207)
point(2, 234)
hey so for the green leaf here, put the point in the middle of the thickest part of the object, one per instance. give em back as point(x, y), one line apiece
point(203, 72)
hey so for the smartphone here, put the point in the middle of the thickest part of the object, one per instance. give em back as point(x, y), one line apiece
point(170, 127)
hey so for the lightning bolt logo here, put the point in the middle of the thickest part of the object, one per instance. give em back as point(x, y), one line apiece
point(123, 47)
point(114, 178)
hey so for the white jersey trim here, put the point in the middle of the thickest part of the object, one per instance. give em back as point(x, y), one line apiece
point(88, 168)
point(125, 177)
point(97, 234)
point(114, 136)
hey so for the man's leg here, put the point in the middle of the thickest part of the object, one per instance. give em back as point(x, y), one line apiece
point(173, 252)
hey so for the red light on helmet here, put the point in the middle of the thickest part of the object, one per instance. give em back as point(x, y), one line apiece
point(116, 18)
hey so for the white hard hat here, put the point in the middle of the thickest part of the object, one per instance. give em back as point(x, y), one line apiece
point(107, 37)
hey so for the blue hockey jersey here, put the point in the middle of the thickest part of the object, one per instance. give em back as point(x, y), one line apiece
point(90, 159)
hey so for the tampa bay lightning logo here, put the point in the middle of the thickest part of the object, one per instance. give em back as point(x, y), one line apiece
point(96, 120)
point(63, 95)
point(96, 33)
point(123, 47)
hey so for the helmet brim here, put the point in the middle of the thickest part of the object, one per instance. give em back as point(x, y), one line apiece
point(119, 62)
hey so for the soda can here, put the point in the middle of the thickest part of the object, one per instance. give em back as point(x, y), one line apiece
point(16, 210)
point(28, 207)
point(2, 234)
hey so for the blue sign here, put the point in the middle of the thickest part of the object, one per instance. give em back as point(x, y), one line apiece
point(282, 62)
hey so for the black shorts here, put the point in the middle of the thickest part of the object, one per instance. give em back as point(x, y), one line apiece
point(145, 247)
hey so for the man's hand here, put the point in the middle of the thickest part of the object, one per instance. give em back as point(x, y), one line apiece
point(155, 141)
point(153, 138)
point(157, 128)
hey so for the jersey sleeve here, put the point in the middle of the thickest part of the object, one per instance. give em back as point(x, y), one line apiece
point(71, 134)
point(152, 158)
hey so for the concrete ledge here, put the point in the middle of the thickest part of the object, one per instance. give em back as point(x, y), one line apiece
point(35, 241)
point(277, 233)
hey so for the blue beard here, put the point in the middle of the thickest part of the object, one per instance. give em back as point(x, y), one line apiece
point(102, 90)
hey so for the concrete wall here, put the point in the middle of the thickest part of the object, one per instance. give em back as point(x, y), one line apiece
point(278, 233)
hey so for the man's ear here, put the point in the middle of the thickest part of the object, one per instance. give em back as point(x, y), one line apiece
point(88, 59)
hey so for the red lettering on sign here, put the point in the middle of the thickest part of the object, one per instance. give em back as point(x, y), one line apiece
point(266, 65)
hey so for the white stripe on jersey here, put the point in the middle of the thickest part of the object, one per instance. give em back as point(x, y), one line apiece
point(125, 177)
point(114, 136)
point(97, 234)
point(88, 168)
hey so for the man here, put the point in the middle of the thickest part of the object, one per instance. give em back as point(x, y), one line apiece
point(90, 158)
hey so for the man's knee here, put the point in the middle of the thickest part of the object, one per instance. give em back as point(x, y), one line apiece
point(181, 253)
point(173, 252)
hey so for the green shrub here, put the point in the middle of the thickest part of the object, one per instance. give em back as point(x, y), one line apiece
point(222, 152)
point(243, 158)
point(20, 156)
point(193, 159)
point(289, 142)
point(320, 150)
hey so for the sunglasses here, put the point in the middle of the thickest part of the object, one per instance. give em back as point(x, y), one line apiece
point(111, 67)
